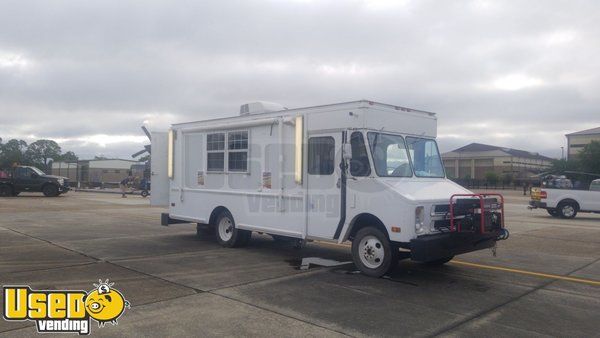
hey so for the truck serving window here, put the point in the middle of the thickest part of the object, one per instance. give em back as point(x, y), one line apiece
point(236, 151)
point(215, 152)
point(321, 154)
point(237, 159)
point(425, 157)
point(359, 165)
point(389, 155)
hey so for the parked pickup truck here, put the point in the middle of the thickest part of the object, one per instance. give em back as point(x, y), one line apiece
point(15, 180)
point(561, 198)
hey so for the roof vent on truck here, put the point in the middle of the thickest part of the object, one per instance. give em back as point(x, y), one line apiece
point(260, 107)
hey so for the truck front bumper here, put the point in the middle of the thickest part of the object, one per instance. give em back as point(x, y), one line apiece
point(537, 204)
point(429, 248)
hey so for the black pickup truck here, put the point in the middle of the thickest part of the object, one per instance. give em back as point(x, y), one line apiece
point(31, 179)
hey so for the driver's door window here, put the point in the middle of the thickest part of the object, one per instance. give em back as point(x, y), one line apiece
point(23, 173)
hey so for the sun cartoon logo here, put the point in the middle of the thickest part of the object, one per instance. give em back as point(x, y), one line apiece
point(105, 304)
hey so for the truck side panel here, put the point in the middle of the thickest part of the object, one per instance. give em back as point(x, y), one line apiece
point(254, 198)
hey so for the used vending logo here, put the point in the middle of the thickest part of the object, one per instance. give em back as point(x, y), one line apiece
point(64, 310)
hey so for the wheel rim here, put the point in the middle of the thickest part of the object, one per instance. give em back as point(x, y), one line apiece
point(568, 210)
point(225, 229)
point(371, 252)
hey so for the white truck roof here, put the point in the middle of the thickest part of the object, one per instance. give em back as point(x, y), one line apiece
point(354, 114)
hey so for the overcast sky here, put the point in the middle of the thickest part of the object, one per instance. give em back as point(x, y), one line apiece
point(88, 74)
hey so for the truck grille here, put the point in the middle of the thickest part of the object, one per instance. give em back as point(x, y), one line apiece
point(441, 208)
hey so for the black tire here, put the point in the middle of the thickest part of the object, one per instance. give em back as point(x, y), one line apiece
point(6, 190)
point(372, 252)
point(440, 261)
point(553, 212)
point(567, 210)
point(144, 193)
point(227, 234)
point(50, 190)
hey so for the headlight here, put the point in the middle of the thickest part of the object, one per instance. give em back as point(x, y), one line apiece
point(419, 219)
point(61, 181)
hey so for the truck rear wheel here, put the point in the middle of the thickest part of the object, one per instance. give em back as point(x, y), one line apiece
point(50, 190)
point(372, 252)
point(6, 190)
point(567, 209)
point(553, 212)
point(227, 234)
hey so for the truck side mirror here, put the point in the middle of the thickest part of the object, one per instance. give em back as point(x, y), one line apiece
point(347, 151)
point(34, 175)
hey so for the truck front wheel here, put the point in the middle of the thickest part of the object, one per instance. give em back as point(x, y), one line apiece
point(50, 190)
point(372, 252)
point(227, 234)
point(567, 209)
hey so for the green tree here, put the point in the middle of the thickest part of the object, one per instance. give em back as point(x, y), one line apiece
point(507, 179)
point(69, 156)
point(13, 151)
point(41, 152)
point(589, 157)
point(491, 177)
point(562, 165)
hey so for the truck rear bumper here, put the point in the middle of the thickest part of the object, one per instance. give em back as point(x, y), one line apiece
point(537, 204)
point(432, 247)
point(165, 219)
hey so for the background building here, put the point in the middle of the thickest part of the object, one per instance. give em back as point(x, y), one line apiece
point(65, 169)
point(577, 140)
point(97, 172)
point(475, 160)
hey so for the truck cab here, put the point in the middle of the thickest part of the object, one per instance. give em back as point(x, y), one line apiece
point(19, 179)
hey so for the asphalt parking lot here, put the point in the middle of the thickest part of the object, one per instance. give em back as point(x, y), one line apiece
point(544, 281)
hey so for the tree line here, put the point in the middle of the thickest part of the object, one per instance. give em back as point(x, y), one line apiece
point(40, 154)
point(588, 160)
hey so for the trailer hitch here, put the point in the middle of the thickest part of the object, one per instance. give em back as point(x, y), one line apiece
point(504, 234)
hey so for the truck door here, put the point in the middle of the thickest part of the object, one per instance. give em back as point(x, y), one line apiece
point(324, 184)
point(159, 181)
point(25, 180)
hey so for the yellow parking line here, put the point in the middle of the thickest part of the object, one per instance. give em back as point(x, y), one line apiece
point(499, 268)
point(530, 273)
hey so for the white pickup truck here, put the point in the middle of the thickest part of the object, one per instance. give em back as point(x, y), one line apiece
point(561, 199)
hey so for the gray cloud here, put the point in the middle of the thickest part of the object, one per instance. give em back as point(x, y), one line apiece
point(510, 73)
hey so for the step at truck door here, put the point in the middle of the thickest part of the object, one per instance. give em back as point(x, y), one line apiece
point(159, 195)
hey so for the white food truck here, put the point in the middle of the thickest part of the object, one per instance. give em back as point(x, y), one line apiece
point(362, 171)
